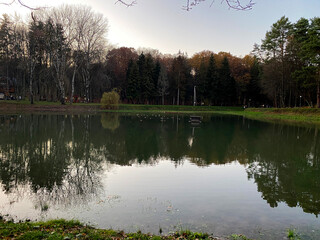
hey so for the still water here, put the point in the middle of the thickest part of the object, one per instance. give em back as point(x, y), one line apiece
point(146, 172)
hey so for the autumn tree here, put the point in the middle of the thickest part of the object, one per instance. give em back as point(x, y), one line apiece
point(117, 63)
point(110, 100)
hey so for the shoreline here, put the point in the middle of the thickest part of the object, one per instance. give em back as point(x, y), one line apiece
point(291, 115)
point(73, 229)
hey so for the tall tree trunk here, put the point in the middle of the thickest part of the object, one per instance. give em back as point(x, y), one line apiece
point(72, 84)
point(318, 92)
point(62, 93)
point(86, 81)
point(30, 86)
point(87, 93)
point(178, 96)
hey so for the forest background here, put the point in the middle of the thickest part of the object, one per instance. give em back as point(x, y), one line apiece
point(62, 54)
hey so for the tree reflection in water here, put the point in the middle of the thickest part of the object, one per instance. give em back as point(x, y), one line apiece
point(38, 151)
point(62, 157)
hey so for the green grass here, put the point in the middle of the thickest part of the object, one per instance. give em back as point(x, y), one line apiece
point(239, 237)
point(310, 115)
point(292, 235)
point(27, 102)
point(44, 103)
point(141, 107)
point(62, 229)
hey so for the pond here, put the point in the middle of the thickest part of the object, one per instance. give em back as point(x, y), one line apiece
point(149, 172)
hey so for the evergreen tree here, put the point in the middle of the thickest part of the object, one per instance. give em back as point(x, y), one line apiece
point(149, 84)
point(6, 44)
point(201, 81)
point(307, 45)
point(57, 51)
point(312, 53)
point(180, 76)
point(275, 48)
point(145, 77)
point(212, 81)
point(155, 77)
point(228, 84)
point(255, 96)
point(133, 87)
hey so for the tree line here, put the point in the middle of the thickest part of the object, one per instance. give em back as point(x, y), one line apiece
point(290, 56)
point(62, 54)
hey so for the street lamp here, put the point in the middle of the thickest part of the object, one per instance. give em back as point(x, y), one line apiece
point(300, 100)
point(193, 73)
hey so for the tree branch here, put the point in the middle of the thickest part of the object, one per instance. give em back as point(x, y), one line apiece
point(21, 3)
point(128, 4)
point(237, 5)
point(232, 4)
point(8, 4)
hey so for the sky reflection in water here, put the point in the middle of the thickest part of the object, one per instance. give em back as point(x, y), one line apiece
point(227, 175)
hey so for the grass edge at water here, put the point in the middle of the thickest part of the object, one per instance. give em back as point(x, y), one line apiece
point(299, 115)
point(73, 229)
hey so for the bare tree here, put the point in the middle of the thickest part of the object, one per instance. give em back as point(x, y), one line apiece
point(66, 15)
point(91, 40)
point(85, 32)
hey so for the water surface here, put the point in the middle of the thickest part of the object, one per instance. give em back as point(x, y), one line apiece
point(146, 172)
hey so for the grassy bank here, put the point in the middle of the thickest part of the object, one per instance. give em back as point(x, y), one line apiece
point(62, 229)
point(309, 115)
point(306, 115)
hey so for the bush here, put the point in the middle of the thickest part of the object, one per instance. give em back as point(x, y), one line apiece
point(110, 100)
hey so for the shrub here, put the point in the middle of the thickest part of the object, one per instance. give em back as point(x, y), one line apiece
point(110, 100)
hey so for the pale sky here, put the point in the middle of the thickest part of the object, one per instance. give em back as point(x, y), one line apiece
point(163, 25)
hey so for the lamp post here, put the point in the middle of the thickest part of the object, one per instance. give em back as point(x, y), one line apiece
point(300, 100)
point(193, 73)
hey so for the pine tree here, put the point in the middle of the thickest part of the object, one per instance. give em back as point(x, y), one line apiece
point(6, 44)
point(133, 87)
point(212, 81)
point(201, 81)
point(228, 85)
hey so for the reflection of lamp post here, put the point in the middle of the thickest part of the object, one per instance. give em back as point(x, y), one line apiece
point(193, 73)
point(300, 100)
